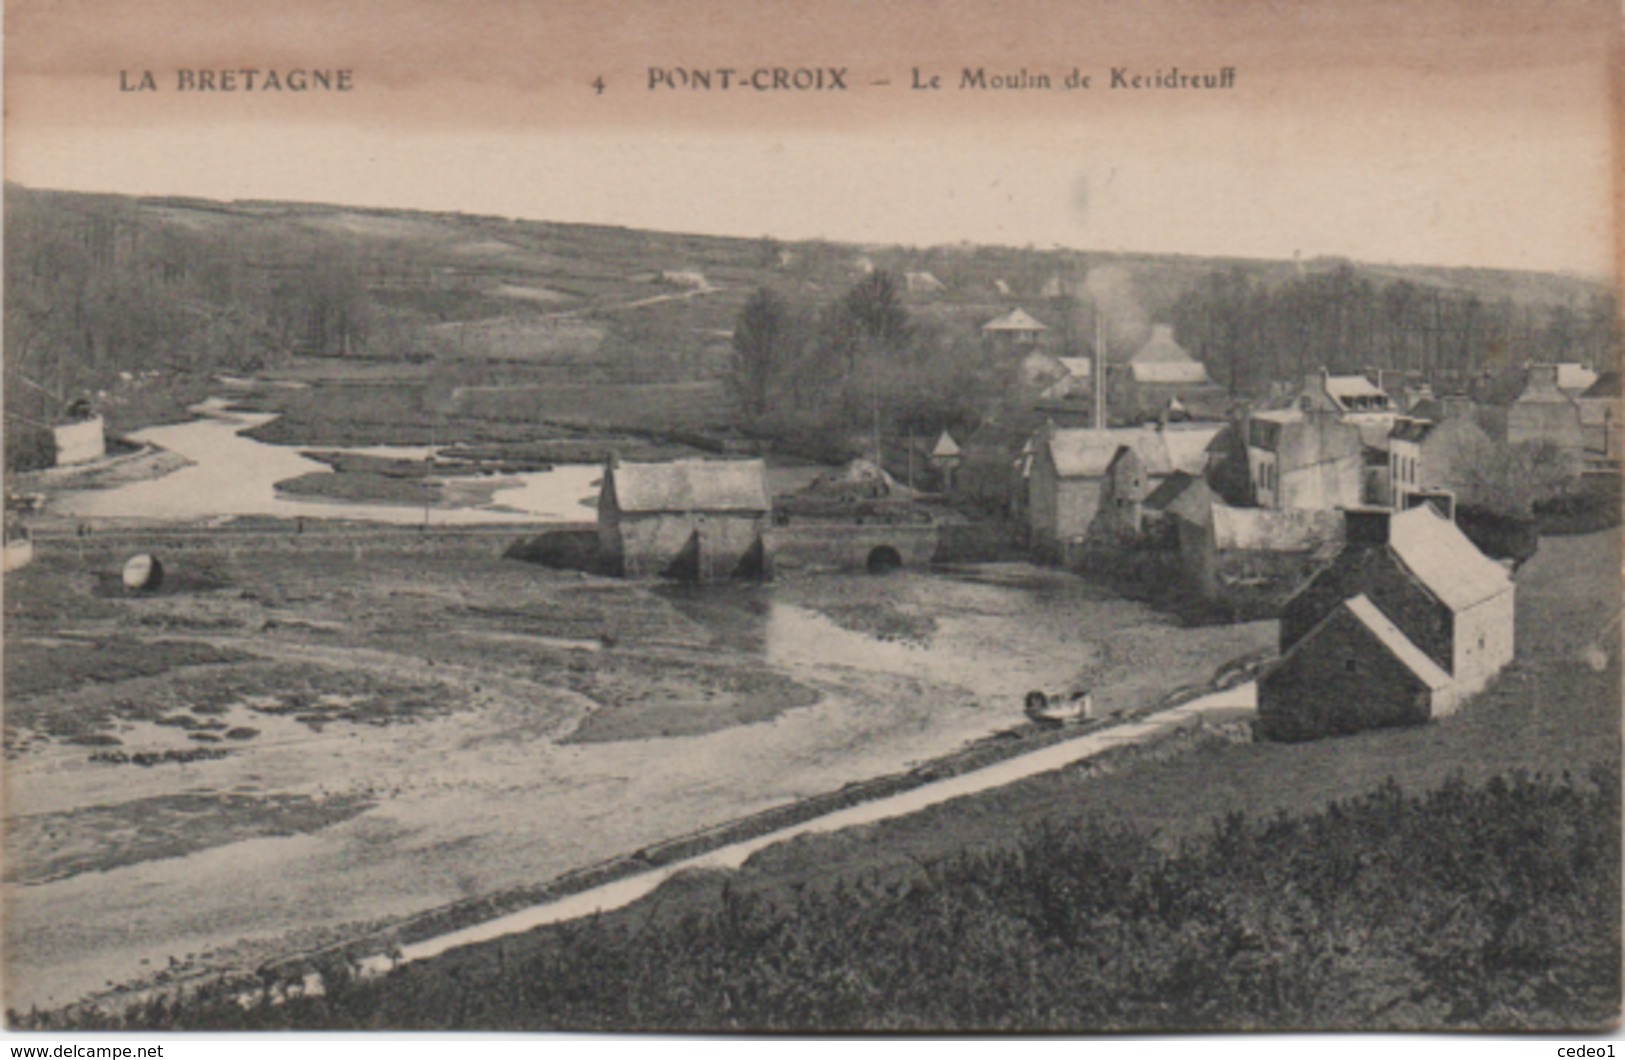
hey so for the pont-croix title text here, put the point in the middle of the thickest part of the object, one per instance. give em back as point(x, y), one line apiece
point(966, 78)
point(668, 79)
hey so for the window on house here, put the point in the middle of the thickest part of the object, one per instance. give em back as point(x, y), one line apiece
point(1351, 666)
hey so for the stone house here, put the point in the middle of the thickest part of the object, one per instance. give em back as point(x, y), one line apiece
point(1428, 594)
point(1299, 458)
point(1068, 477)
point(1162, 372)
point(694, 520)
point(1354, 670)
point(1545, 413)
point(1064, 482)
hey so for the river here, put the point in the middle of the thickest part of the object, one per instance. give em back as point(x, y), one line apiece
point(233, 475)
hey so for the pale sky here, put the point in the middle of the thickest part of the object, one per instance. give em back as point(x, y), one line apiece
point(1465, 133)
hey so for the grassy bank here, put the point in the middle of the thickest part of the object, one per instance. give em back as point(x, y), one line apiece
point(1472, 907)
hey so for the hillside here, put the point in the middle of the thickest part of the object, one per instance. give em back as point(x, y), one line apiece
point(137, 301)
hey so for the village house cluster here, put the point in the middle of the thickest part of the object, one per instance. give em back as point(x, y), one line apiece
point(1333, 502)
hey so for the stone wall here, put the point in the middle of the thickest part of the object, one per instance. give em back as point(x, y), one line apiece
point(720, 543)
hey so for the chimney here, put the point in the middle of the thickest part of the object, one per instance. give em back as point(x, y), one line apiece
point(1099, 418)
point(1366, 527)
point(1441, 501)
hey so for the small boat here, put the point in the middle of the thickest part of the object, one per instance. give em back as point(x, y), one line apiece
point(1060, 709)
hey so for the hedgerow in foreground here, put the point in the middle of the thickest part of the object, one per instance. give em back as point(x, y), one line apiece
point(1496, 906)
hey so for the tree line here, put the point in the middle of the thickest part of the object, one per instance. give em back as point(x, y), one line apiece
point(1250, 333)
point(97, 286)
point(859, 366)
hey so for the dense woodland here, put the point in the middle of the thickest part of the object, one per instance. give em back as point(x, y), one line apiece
point(1346, 319)
point(93, 289)
point(1480, 907)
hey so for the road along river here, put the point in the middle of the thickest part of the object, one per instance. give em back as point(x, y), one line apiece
point(1232, 703)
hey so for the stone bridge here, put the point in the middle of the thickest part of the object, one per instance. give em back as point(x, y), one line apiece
point(875, 547)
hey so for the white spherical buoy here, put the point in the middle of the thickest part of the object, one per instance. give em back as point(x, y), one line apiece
point(143, 573)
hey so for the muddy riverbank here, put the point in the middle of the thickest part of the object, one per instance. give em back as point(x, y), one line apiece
point(479, 788)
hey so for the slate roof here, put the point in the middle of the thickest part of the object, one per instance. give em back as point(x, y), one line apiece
point(690, 486)
point(1350, 391)
point(1412, 430)
point(1172, 373)
point(1538, 394)
point(1186, 448)
point(1084, 452)
point(1441, 557)
point(1163, 360)
point(1281, 416)
point(1016, 320)
point(1168, 490)
point(1195, 503)
point(1606, 386)
point(946, 446)
point(1400, 646)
